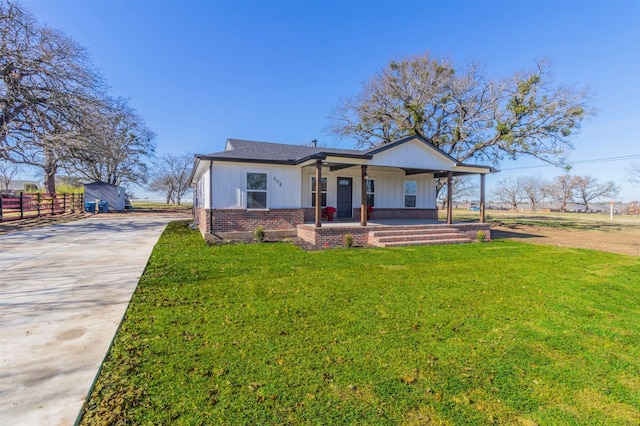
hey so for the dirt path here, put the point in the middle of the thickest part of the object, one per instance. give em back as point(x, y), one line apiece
point(625, 240)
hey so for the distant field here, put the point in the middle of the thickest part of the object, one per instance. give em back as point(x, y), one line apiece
point(154, 205)
point(539, 218)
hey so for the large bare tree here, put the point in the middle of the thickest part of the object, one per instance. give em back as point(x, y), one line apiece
point(461, 187)
point(587, 189)
point(171, 177)
point(464, 112)
point(46, 85)
point(114, 147)
point(535, 189)
point(509, 191)
point(562, 190)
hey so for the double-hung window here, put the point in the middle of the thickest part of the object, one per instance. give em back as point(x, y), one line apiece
point(371, 189)
point(323, 191)
point(256, 190)
point(410, 193)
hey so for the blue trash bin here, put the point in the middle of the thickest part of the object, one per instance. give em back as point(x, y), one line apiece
point(103, 207)
point(90, 206)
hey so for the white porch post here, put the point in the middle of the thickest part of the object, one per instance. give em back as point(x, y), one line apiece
point(449, 198)
point(482, 218)
point(363, 197)
point(318, 194)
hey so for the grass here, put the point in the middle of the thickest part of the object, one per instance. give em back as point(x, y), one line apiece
point(500, 333)
point(155, 205)
point(569, 221)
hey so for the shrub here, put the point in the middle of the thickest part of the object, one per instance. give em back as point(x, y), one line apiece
point(259, 233)
point(348, 240)
point(480, 236)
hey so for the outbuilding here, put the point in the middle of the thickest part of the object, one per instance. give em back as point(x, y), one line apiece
point(114, 195)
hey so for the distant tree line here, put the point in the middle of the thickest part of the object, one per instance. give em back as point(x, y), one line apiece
point(55, 111)
point(564, 189)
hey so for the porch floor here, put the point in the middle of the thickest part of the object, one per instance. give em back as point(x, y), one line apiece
point(343, 223)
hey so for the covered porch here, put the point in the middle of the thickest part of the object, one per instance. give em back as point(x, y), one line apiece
point(359, 210)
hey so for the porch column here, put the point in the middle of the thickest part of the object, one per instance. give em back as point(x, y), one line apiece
point(363, 197)
point(482, 176)
point(449, 198)
point(318, 194)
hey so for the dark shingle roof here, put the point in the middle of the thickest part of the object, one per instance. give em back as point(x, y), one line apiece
point(244, 150)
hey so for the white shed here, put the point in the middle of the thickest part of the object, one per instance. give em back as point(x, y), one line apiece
point(113, 194)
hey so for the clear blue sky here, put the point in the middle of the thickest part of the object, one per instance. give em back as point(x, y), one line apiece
point(204, 71)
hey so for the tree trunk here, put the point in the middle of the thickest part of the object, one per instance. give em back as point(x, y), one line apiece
point(50, 168)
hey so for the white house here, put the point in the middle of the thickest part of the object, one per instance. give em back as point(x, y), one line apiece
point(280, 186)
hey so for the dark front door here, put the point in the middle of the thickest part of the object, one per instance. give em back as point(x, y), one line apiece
point(344, 197)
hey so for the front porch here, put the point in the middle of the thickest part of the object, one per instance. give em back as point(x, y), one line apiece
point(392, 232)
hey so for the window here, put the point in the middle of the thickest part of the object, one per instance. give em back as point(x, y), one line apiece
point(410, 191)
point(256, 190)
point(371, 189)
point(323, 191)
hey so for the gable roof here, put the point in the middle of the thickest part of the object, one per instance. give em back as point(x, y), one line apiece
point(240, 150)
point(269, 152)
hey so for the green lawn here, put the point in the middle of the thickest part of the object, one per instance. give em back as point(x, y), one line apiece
point(500, 332)
point(569, 221)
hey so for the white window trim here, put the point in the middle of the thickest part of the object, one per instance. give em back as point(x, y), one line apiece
point(247, 190)
point(404, 193)
point(311, 178)
point(371, 193)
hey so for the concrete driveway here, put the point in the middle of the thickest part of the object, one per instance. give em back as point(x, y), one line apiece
point(63, 292)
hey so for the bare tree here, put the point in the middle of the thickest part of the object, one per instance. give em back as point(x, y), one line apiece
point(7, 173)
point(460, 188)
point(509, 191)
point(465, 113)
point(633, 173)
point(534, 189)
point(171, 177)
point(46, 81)
point(562, 190)
point(588, 189)
point(114, 148)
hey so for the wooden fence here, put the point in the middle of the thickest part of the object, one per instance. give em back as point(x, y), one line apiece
point(25, 206)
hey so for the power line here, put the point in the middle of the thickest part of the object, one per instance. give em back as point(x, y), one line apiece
point(594, 160)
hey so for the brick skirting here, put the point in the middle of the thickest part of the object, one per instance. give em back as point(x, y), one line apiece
point(390, 213)
point(334, 236)
point(242, 220)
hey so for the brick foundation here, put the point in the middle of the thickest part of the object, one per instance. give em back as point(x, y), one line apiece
point(242, 220)
point(334, 236)
point(384, 213)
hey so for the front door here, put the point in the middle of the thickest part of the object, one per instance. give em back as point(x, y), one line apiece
point(344, 197)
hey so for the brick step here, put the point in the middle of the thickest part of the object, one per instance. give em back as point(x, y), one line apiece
point(419, 237)
point(424, 242)
point(413, 231)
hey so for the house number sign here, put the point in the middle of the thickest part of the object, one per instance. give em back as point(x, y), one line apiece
point(277, 181)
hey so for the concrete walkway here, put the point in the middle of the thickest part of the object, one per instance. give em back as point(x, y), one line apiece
point(63, 292)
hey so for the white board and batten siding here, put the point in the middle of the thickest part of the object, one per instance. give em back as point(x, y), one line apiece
point(389, 186)
point(230, 185)
point(414, 155)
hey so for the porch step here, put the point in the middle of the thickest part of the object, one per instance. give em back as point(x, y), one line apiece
point(417, 236)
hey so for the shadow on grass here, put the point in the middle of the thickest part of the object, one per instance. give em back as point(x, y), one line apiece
point(504, 235)
point(560, 223)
